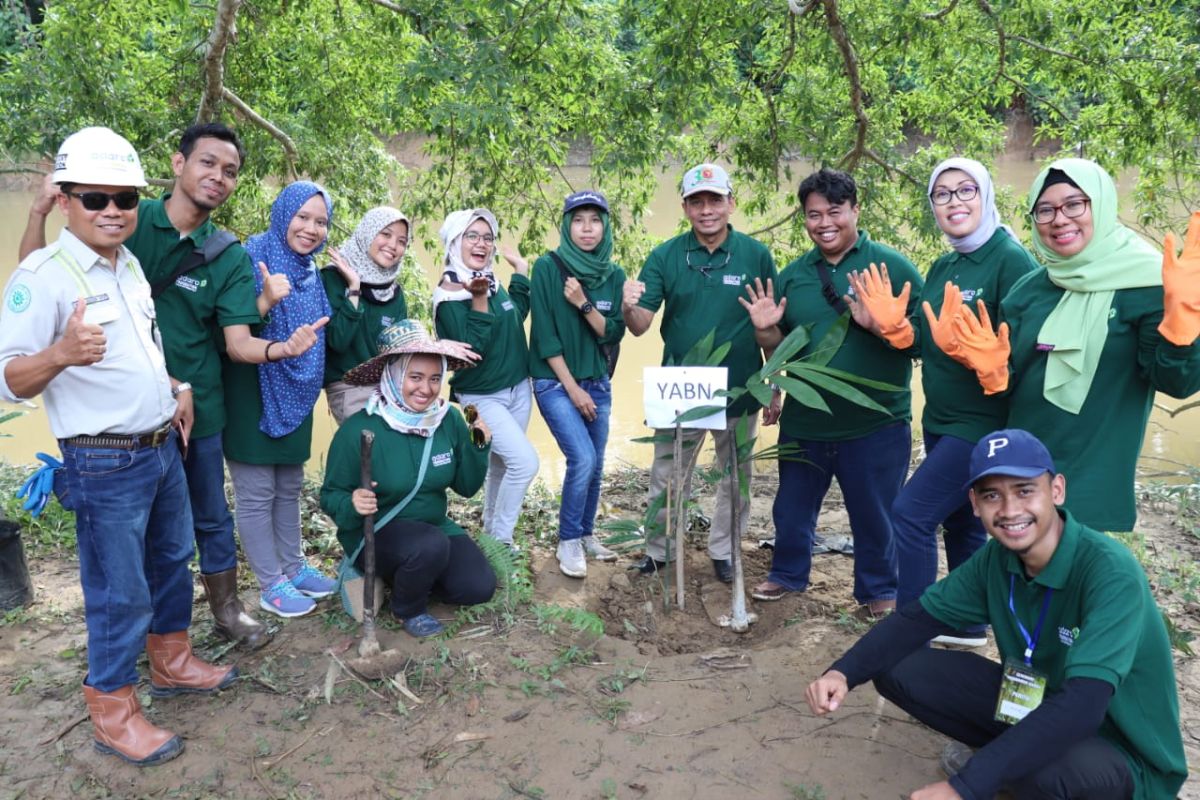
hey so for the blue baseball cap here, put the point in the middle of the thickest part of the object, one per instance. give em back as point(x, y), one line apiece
point(588, 197)
point(1012, 452)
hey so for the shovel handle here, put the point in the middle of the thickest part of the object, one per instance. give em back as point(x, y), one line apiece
point(368, 527)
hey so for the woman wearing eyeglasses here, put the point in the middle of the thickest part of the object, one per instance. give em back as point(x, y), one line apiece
point(268, 433)
point(365, 298)
point(1091, 341)
point(986, 260)
point(422, 448)
point(470, 305)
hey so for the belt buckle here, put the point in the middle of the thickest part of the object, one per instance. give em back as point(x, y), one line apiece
point(159, 436)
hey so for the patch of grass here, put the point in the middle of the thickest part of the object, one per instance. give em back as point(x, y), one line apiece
point(804, 791)
point(52, 532)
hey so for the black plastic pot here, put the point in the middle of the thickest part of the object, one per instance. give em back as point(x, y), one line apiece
point(15, 586)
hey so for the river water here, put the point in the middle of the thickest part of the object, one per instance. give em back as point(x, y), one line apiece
point(1168, 441)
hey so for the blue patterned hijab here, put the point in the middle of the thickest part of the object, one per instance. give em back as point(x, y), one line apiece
point(289, 388)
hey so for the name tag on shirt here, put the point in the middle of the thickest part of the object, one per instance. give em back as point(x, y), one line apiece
point(100, 310)
point(507, 305)
point(441, 459)
point(732, 280)
point(604, 305)
point(1021, 690)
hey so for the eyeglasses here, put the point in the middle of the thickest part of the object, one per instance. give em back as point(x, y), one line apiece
point(471, 414)
point(98, 201)
point(704, 268)
point(940, 197)
point(1072, 209)
point(474, 238)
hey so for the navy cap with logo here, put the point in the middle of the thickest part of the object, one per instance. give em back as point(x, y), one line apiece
point(1012, 452)
point(588, 197)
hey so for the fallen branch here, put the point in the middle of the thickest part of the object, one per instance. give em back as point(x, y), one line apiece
point(275, 762)
point(64, 730)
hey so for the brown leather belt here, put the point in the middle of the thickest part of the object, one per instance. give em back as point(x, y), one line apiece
point(122, 441)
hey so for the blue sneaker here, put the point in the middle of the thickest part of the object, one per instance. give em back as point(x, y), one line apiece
point(282, 600)
point(310, 582)
point(423, 625)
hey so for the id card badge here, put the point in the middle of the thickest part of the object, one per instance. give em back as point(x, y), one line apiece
point(100, 310)
point(1021, 690)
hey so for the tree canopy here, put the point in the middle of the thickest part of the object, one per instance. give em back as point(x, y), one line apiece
point(503, 95)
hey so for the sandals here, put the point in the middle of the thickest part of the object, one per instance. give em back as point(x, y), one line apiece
point(423, 625)
point(770, 591)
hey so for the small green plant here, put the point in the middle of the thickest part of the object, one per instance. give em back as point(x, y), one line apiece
point(804, 791)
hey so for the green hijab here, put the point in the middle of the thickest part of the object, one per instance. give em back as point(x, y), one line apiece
point(591, 267)
point(1115, 258)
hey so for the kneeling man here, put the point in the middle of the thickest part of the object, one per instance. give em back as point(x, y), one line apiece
point(1084, 703)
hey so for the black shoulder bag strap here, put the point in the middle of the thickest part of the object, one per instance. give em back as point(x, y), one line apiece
point(830, 294)
point(611, 352)
point(213, 246)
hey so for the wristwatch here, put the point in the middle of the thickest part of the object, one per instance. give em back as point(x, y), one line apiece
point(180, 389)
point(587, 307)
point(353, 293)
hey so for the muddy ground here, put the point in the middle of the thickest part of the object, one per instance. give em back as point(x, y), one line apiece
point(521, 703)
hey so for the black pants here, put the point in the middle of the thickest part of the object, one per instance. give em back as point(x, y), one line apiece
point(418, 559)
point(955, 693)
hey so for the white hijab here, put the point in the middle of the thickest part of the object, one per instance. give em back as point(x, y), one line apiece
point(454, 270)
point(989, 219)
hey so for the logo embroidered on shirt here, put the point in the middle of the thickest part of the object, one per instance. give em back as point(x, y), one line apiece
point(1068, 635)
point(385, 322)
point(507, 305)
point(441, 459)
point(604, 305)
point(733, 280)
point(189, 283)
point(969, 295)
point(19, 298)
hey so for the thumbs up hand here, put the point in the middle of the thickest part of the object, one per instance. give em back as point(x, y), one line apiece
point(274, 287)
point(82, 343)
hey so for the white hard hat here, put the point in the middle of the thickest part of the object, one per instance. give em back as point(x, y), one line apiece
point(98, 156)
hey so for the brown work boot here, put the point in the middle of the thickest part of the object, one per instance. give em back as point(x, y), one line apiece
point(174, 670)
point(121, 730)
point(229, 616)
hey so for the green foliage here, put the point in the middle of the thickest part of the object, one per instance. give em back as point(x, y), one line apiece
point(53, 531)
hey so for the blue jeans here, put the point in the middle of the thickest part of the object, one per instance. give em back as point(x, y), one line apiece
point(133, 529)
point(934, 494)
point(205, 470)
point(870, 471)
point(582, 442)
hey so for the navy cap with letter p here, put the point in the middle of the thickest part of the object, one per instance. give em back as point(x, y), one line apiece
point(1012, 452)
point(588, 197)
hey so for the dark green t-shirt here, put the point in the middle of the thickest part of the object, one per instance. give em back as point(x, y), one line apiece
point(454, 463)
point(1102, 624)
point(862, 353)
point(699, 291)
point(243, 441)
point(192, 312)
point(1097, 449)
point(955, 404)
point(558, 329)
point(498, 335)
point(352, 335)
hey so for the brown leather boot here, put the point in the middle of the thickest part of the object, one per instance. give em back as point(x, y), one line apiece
point(121, 730)
point(174, 670)
point(229, 616)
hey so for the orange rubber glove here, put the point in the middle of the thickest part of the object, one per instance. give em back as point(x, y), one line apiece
point(942, 328)
point(1181, 287)
point(982, 349)
point(874, 290)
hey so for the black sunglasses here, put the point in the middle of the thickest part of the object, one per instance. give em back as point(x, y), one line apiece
point(98, 201)
point(470, 414)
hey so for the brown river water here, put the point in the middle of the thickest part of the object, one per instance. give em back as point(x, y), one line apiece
point(1169, 441)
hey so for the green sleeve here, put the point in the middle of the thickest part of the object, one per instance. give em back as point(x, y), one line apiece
point(546, 290)
point(518, 291)
point(614, 320)
point(237, 303)
point(652, 276)
point(472, 460)
point(345, 320)
point(914, 278)
point(960, 599)
point(342, 476)
point(456, 320)
point(1111, 623)
point(1170, 368)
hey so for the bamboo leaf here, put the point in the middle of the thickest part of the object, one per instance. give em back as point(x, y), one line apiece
point(802, 393)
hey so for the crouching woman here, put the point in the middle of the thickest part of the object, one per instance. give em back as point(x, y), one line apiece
point(423, 447)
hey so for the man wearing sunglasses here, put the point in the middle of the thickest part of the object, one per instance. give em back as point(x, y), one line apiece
point(698, 277)
point(78, 326)
point(214, 297)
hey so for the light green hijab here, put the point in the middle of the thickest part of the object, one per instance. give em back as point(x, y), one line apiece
point(591, 267)
point(1115, 258)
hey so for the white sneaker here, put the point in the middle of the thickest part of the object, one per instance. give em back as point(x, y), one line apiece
point(571, 559)
point(592, 546)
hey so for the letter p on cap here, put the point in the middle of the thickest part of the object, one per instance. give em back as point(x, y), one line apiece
point(994, 445)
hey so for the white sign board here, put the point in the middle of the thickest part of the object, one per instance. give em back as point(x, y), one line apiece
point(669, 391)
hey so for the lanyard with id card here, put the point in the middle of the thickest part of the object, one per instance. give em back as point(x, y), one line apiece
point(1021, 686)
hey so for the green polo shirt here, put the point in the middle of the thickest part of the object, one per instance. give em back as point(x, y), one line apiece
point(862, 353)
point(352, 335)
point(454, 463)
point(243, 441)
point(1097, 449)
point(699, 291)
point(498, 335)
point(558, 329)
point(955, 404)
point(1102, 624)
point(192, 312)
